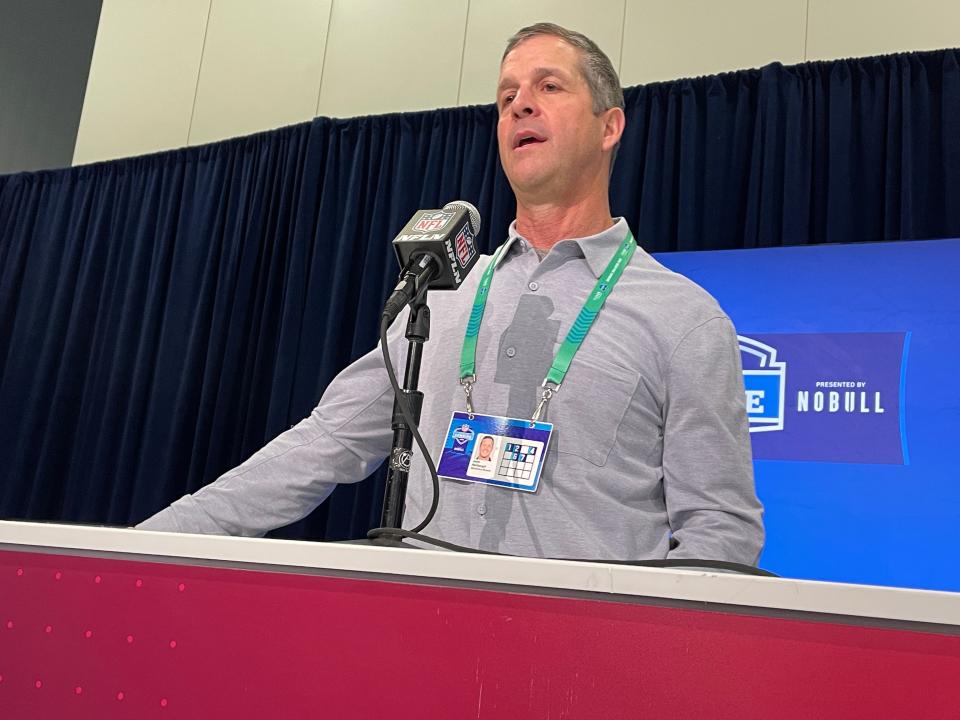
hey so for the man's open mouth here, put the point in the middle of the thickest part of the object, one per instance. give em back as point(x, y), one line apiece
point(528, 139)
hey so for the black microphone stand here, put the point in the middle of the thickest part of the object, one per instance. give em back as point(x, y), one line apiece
point(418, 332)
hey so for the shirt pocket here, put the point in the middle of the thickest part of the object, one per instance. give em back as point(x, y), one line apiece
point(590, 406)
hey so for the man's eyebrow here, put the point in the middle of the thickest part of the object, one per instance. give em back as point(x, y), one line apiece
point(543, 72)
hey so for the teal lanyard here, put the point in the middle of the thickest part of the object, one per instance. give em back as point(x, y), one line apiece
point(568, 349)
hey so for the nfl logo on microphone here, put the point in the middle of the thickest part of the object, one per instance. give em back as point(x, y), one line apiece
point(464, 245)
point(432, 220)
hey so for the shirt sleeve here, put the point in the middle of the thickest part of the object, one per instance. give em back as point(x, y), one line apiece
point(711, 500)
point(343, 439)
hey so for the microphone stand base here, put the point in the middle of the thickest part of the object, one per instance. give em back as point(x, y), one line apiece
point(380, 542)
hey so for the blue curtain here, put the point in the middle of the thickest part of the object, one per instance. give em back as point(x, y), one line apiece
point(162, 317)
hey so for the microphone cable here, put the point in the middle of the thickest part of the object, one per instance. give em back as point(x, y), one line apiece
point(414, 429)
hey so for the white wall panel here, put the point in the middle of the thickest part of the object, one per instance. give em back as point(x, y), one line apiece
point(491, 23)
point(143, 78)
point(392, 55)
point(686, 38)
point(856, 28)
point(261, 66)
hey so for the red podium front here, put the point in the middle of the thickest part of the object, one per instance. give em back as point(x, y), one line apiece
point(106, 623)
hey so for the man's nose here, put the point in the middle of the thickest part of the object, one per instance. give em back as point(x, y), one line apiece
point(523, 104)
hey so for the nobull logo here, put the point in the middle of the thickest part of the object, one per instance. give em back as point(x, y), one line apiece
point(842, 400)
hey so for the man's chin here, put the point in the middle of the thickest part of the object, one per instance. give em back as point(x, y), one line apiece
point(529, 181)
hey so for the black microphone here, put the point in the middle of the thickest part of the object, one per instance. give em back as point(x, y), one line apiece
point(436, 250)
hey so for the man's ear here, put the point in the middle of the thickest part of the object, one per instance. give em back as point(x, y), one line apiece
point(614, 121)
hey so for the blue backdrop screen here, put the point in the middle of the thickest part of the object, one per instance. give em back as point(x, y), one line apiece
point(849, 354)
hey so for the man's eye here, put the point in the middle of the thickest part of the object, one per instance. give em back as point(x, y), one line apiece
point(550, 86)
point(507, 99)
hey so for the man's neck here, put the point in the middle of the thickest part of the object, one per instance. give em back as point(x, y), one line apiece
point(546, 225)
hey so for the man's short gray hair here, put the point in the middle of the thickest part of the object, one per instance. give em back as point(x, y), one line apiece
point(595, 66)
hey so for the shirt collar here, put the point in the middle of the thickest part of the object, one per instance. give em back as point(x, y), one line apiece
point(595, 249)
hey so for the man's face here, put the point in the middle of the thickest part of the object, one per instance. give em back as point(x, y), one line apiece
point(551, 143)
point(486, 447)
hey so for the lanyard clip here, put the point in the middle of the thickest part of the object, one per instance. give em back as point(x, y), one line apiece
point(546, 392)
point(467, 382)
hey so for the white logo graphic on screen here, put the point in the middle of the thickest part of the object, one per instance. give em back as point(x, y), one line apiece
point(765, 382)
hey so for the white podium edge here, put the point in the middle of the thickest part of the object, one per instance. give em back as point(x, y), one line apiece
point(904, 608)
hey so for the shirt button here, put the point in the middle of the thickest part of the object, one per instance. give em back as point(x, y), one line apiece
point(481, 509)
point(534, 285)
point(511, 351)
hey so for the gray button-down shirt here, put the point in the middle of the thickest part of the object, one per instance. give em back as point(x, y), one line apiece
point(650, 449)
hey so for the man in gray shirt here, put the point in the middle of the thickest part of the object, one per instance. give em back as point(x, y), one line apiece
point(650, 456)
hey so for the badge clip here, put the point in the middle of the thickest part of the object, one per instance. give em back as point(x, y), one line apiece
point(546, 392)
point(467, 382)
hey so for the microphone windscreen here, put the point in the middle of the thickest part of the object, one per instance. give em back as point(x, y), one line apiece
point(472, 213)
